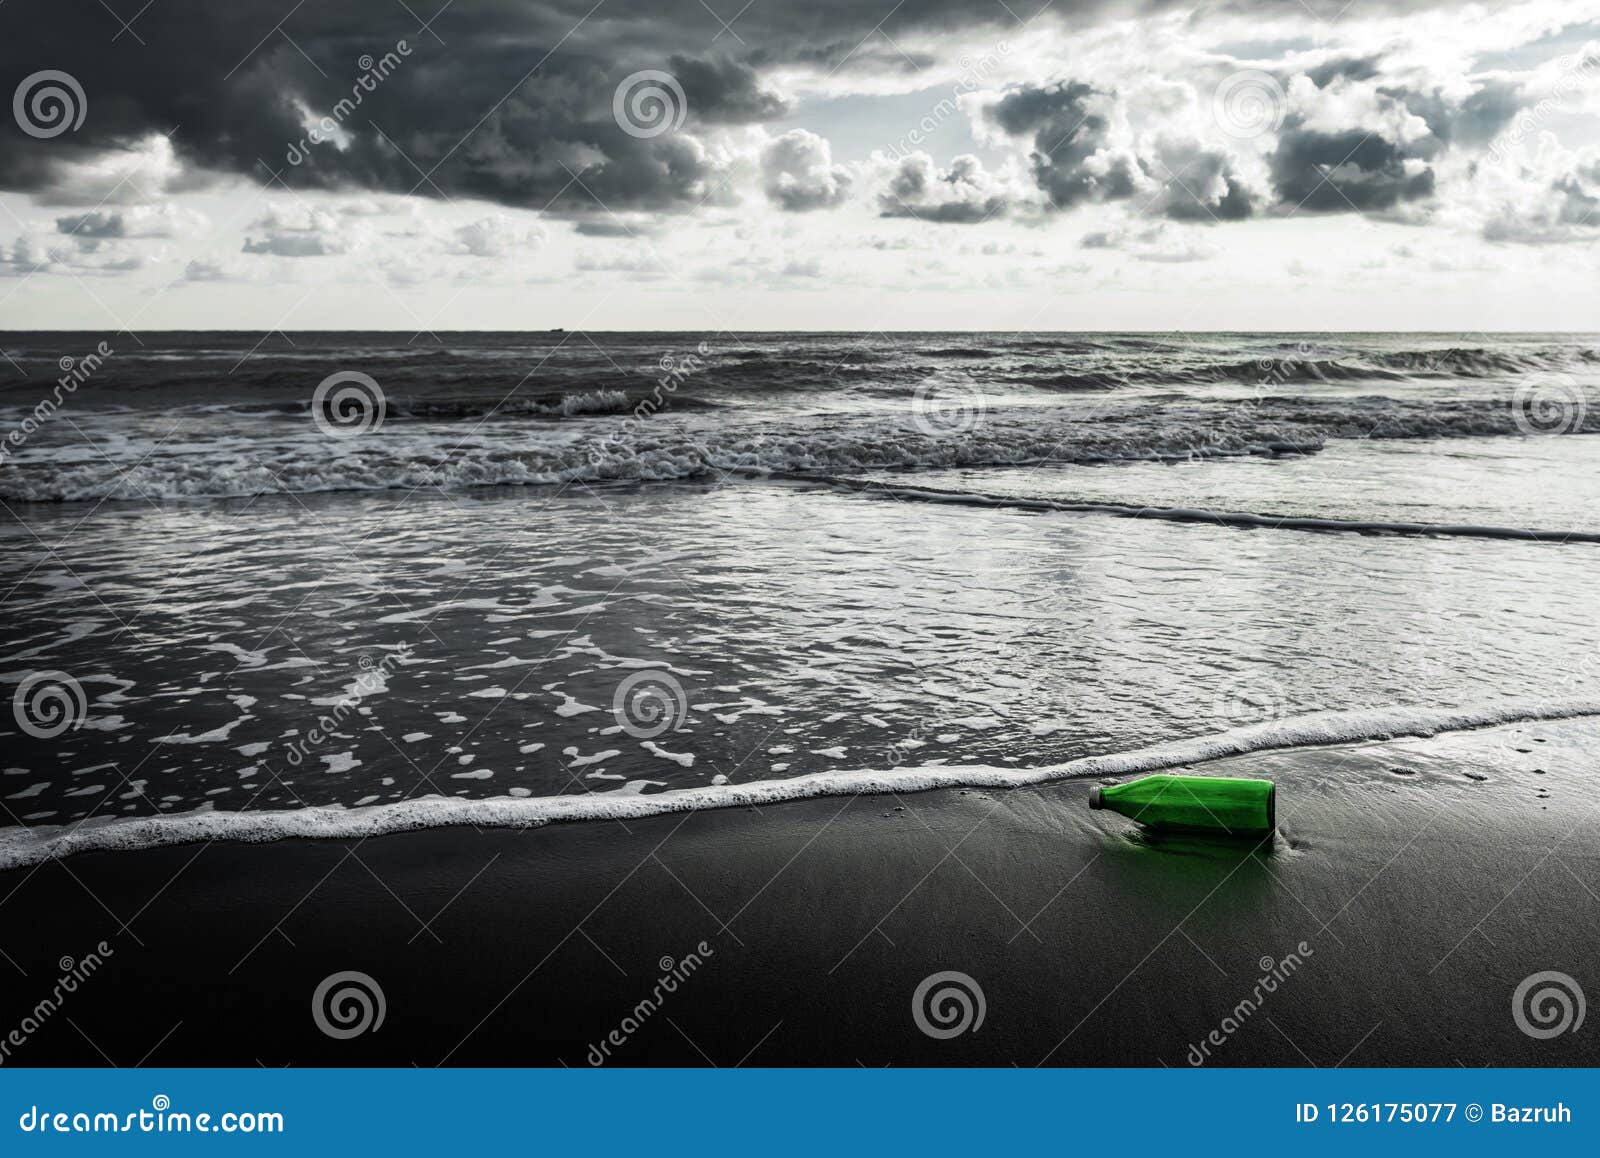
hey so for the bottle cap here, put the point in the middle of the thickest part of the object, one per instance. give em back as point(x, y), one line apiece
point(1094, 797)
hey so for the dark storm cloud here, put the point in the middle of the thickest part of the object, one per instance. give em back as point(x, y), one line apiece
point(1352, 170)
point(1322, 170)
point(1360, 170)
point(511, 100)
point(504, 100)
point(96, 226)
point(1200, 185)
point(1025, 110)
point(725, 91)
point(1072, 161)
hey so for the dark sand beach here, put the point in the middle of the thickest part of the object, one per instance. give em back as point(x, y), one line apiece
point(1413, 886)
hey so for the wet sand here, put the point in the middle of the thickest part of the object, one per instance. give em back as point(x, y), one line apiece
point(1413, 886)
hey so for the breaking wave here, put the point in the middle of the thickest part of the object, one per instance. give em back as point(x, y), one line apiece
point(1276, 369)
point(26, 846)
point(597, 446)
point(560, 406)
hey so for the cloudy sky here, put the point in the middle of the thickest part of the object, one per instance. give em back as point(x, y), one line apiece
point(833, 164)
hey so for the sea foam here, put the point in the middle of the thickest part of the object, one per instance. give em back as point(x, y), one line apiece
point(26, 846)
point(597, 449)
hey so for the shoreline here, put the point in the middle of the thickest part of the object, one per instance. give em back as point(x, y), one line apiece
point(22, 847)
point(1415, 894)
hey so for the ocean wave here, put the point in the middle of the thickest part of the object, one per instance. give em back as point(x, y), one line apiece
point(470, 383)
point(1279, 368)
point(20, 847)
point(591, 448)
point(1386, 366)
point(1069, 380)
point(557, 406)
point(961, 352)
point(571, 404)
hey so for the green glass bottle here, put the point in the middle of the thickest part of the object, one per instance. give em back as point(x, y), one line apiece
point(1212, 804)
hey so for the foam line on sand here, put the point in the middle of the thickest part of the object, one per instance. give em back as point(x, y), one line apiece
point(26, 846)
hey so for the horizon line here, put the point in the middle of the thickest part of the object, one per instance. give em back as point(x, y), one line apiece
point(724, 330)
